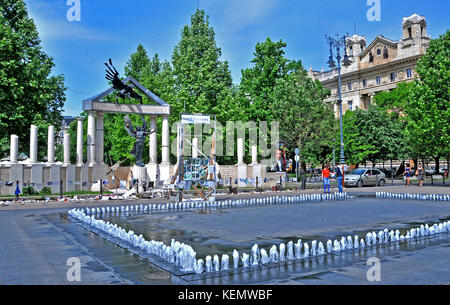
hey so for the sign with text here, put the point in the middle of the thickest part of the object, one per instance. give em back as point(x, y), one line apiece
point(195, 119)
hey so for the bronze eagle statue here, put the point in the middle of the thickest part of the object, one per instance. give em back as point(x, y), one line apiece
point(124, 90)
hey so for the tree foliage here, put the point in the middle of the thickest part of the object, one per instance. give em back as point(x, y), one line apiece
point(203, 82)
point(372, 135)
point(29, 94)
point(306, 122)
point(396, 101)
point(258, 82)
point(428, 111)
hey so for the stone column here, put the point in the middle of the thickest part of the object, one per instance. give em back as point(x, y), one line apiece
point(240, 151)
point(80, 141)
point(14, 149)
point(51, 145)
point(165, 140)
point(254, 154)
point(33, 144)
point(153, 141)
point(257, 168)
point(164, 168)
point(153, 167)
point(67, 149)
point(91, 139)
point(241, 167)
point(99, 139)
point(195, 147)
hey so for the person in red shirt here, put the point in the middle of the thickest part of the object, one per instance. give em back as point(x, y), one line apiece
point(326, 178)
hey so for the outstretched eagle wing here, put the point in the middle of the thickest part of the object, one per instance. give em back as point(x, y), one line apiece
point(113, 76)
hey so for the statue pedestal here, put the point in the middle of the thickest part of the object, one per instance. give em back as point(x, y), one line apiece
point(37, 175)
point(153, 172)
point(83, 177)
point(241, 174)
point(257, 172)
point(70, 178)
point(140, 173)
point(164, 170)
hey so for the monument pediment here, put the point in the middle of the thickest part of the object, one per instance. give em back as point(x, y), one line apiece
point(95, 103)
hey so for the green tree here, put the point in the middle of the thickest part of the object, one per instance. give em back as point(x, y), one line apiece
point(356, 148)
point(202, 81)
point(380, 131)
point(372, 135)
point(306, 122)
point(29, 94)
point(138, 64)
point(395, 101)
point(258, 82)
point(428, 111)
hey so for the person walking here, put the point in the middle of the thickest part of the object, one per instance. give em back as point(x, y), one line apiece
point(17, 192)
point(340, 177)
point(407, 174)
point(420, 175)
point(326, 179)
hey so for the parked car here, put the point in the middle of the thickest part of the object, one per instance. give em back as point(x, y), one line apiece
point(387, 172)
point(364, 177)
point(430, 171)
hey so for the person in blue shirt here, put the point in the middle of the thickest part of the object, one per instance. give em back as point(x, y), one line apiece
point(17, 192)
point(340, 177)
point(408, 173)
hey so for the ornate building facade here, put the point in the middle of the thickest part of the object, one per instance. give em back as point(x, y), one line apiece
point(376, 67)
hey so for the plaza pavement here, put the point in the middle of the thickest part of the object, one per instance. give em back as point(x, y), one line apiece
point(36, 241)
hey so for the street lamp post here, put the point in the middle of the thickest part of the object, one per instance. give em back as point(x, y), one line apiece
point(334, 154)
point(338, 43)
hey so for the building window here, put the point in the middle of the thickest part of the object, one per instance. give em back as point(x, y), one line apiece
point(378, 80)
point(409, 33)
point(393, 76)
point(370, 57)
point(350, 105)
point(408, 73)
point(349, 86)
point(364, 83)
point(379, 52)
point(385, 53)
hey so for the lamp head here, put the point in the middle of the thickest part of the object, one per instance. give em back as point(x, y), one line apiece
point(331, 62)
point(346, 62)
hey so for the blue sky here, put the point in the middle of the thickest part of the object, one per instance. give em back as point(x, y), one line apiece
point(114, 28)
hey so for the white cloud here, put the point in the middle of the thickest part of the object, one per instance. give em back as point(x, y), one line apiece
point(51, 23)
point(241, 13)
point(50, 29)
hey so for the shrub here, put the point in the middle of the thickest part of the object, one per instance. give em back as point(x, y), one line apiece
point(45, 191)
point(29, 190)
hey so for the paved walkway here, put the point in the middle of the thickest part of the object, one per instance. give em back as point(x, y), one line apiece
point(436, 189)
point(36, 243)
